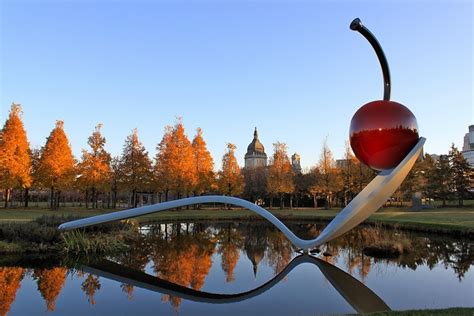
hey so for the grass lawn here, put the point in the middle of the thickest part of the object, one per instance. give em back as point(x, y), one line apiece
point(441, 219)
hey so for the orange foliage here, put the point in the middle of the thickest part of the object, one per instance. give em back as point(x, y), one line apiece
point(56, 165)
point(134, 170)
point(90, 286)
point(184, 267)
point(175, 161)
point(163, 158)
point(203, 164)
point(127, 289)
point(230, 179)
point(95, 168)
point(10, 280)
point(280, 172)
point(15, 161)
point(50, 283)
point(230, 256)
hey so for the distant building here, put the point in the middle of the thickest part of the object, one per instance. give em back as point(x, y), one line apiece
point(296, 163)
point(255, 156)
point(468, 146)
point(343, 163)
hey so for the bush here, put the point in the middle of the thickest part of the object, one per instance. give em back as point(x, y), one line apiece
point(31, 232)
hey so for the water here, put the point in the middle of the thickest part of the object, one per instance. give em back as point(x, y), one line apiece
point(245, 268)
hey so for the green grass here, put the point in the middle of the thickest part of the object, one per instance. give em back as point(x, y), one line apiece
point(449, 219)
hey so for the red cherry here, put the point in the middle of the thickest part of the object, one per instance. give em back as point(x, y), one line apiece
point(382, 133)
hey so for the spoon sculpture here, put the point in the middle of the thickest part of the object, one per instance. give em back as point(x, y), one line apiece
point(384, 135)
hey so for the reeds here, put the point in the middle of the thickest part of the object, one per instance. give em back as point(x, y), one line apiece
point(80, 243)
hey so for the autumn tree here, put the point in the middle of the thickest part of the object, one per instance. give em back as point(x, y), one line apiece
point(56, 168)
point(135, 167)
point(50, 283)
point(461, 174)
point(162, 173)
point(302, 183)
point(203, 164)
point(230, 179)
point(94, 169)
point(115, 179)
point(255, 183)
point(348, 171)
point(15, 161)
point(280, 173)
point(330, 180)
point(314, 185)
point(175, 161)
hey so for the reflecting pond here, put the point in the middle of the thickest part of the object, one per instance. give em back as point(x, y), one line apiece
point(243, 268)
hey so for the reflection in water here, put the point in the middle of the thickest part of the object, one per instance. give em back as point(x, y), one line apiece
point(50, 282)
point(183, 256)
point(10, 279)
point(90, 286)
point(361, 298)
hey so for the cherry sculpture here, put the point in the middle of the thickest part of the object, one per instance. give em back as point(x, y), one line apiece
point(382, 132)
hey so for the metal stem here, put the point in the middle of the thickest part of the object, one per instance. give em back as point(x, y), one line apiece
point(356, 25)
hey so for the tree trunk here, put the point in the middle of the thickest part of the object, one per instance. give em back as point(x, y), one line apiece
point(27, 196)
point(87, 198)
point(56, 202)
point(315, 202)
point(282, 202)
point(114, 198)
point(52, 198)
point(7, 197)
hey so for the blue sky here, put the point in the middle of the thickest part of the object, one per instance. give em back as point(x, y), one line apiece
point(293, 69)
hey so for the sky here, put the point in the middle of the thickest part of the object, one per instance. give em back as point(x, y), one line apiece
point(293, 69)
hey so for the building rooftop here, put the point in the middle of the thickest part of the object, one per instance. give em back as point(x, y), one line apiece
point(255, 147)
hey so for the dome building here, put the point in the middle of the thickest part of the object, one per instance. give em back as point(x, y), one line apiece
point(255, 156)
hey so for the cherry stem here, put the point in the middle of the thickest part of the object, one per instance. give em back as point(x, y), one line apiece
point(356, 25)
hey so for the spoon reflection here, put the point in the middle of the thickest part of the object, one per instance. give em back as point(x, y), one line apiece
point(359, 296)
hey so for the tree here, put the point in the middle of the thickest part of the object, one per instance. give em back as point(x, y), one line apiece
point(56, 168)
point(302, 183)
point(175, 168)
point(94, 168)
point(461, 174)
point(440, 177)
point(15, 161)
point(230, 179)
point(115, 179)
point(348, 171)
point(255, 183)
point(280, 173)
point(135, 167)
point(203, 164)
point(330, 180)
point(162, 172)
